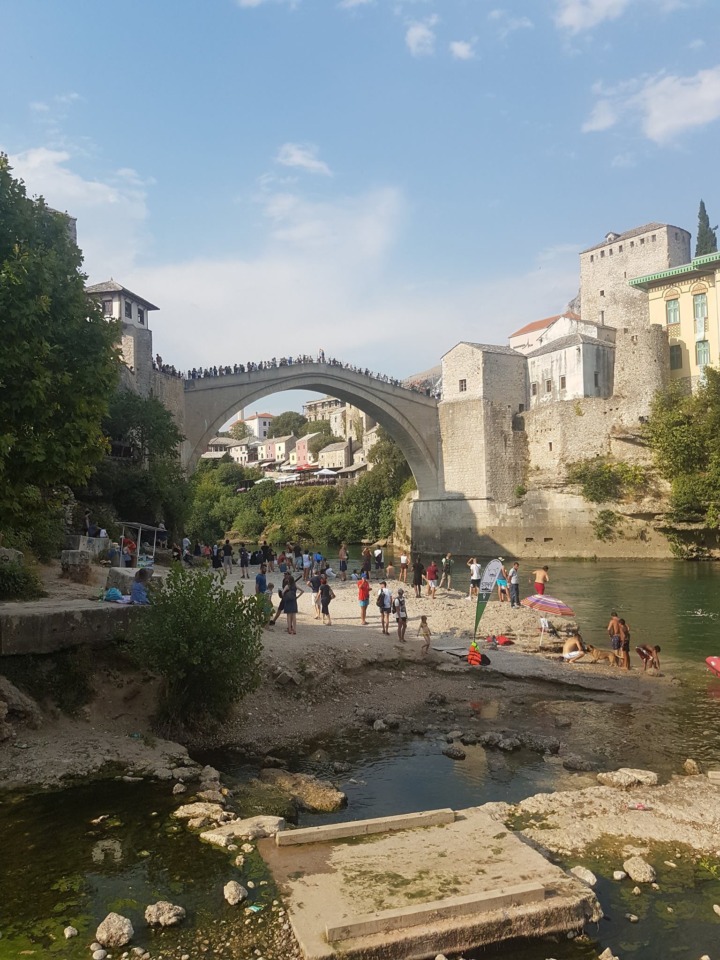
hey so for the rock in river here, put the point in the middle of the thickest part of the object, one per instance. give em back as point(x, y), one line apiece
point(454, 753)
point(639, 870)
point(587, 876)
point(317, 796)
point(251, 829)
point(627, 777)
point(191, 810)
point(114, 931)
point(234, 893)
point(164, 914)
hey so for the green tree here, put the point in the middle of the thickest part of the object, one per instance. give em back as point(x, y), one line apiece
point(142, 480)
point(239, 430)
point(684, 433)
point(214, 500)
point(59, 361)
point(289, 422)
point(706, 235)
point(204, 642)
point(323, 436)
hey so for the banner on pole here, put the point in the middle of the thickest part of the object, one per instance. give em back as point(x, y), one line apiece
point(487, 585)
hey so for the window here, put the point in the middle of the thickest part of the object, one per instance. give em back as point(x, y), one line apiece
point(548, 386)
point(550, 446)
point(462, 386)
point(642, 240)
point(562, 383)
point(521, 408)
point(141, 315)
point(632, 243)
point(533, 389)
point(107, 308)
point(597, 379)
point(620, 248)
point(611, 251)
point(128, 310)
point(602, 320)
point(653, 238)
point(702, 353)
point(592, 258)
point(700, 313)
point(672, 311)
point(602, 253)
point(676, 357)
point(602, 293)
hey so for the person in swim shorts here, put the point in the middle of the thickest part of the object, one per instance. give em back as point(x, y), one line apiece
point(540, 579)
point(613, 629)
point(573, 648)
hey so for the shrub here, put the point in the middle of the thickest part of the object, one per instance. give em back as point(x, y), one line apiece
point(19, 583)
point(606, 524)
point(203, 641)
point(604, 480)
point(520, 491)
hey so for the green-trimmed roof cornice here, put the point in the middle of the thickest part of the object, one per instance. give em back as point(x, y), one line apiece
point(699, 265)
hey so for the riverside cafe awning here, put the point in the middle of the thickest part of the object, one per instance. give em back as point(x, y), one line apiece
point(145, 554)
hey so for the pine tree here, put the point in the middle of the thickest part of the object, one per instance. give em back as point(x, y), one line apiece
point(706, 235)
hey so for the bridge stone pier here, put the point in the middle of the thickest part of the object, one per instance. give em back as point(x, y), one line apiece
point(411, 418)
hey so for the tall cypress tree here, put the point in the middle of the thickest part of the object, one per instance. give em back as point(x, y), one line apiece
point(706, 236)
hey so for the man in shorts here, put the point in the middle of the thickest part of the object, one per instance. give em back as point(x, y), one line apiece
point(648, 655)
point(447, 565)
point(404, 563)
point(431, 575)
point(613, 629)
point(343, 558)
point(363, 598)
point(475, 577)
point(573, 648)
point(540, 579)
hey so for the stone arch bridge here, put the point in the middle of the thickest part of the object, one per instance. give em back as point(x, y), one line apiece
point(410, 417)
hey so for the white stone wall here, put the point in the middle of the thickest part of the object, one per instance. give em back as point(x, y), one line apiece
point(578, 364)
point(605, 271)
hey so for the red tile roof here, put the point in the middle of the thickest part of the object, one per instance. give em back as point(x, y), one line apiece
point(260, 416)
point(542, 324)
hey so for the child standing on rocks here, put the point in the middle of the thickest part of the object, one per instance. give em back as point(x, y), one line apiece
point(424, 629)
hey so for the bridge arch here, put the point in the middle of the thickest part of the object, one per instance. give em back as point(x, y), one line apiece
point(410, 417)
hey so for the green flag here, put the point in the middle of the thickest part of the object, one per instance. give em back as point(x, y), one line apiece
point(487, 585)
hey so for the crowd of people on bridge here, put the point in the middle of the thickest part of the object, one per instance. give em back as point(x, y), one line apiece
point(167, 368)
point(200, 373)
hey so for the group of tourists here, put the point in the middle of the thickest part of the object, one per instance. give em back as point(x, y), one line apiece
point(200, 373)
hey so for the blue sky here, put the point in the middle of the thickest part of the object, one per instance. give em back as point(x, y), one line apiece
point(382, 179)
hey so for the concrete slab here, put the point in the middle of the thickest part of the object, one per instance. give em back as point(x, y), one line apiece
point(45, 626)
point(444, 876)
point(362, 828)
point(714, 776)
point(436, 910)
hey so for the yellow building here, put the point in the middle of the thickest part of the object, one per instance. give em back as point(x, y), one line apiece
point(684, 300)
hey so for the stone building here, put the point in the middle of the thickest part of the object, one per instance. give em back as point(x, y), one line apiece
point(685, 302)
point(321, 409)
point(529, 337)
point(336, 455)
point(258, 424)
point(606, 297)
point(570, 360)
point(138, 373)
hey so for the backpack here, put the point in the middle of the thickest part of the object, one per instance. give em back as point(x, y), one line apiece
point(380, 602)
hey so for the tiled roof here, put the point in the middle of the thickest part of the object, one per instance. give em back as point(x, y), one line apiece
point(332, 447)
point(573, 340)
point(260, 416)
point(486, 348)
point(635, 232)
point(542, 324)
point(112, 286)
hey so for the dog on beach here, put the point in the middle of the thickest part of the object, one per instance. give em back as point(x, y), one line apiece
point(596, 654)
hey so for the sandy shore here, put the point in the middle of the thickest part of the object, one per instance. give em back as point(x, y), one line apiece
point(326, 679)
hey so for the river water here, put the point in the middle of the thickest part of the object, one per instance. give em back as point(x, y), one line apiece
point(58, 868)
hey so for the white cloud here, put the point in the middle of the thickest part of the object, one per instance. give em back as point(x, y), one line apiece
point(111, 213)
point(603, 117)
point(350, 4)
point(420, 37)
point(462, 49)
point(304, 156)
point(579, 15)
point(696, 44)
point(507, 23)
point(671, 105)
point(664, 105)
